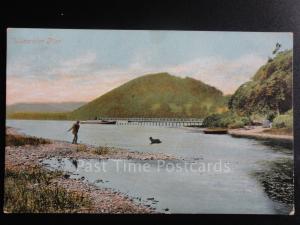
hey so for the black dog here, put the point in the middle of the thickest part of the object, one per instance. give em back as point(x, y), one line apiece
point(154, 141)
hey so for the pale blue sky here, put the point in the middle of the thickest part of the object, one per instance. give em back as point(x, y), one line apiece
point(53, 64)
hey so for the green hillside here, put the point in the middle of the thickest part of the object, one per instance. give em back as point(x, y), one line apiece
point(270, 89)
point(156, 95)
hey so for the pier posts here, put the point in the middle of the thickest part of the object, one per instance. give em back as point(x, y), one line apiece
point(142, 121)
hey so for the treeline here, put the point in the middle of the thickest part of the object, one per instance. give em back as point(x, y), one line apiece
point(269, 91)
point(162, 111)
point(267, 96)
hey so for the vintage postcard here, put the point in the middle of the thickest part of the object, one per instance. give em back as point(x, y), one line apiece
point(137, 121)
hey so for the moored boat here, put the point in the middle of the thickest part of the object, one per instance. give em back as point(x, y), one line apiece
point(98, 122)
point(215, 131)
point(108, 122)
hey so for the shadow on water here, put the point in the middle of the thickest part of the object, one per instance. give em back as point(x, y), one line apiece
point(284, 146)
point(278, 144)
point(276, 178)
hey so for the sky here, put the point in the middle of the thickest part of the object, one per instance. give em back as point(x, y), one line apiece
point(63, 65)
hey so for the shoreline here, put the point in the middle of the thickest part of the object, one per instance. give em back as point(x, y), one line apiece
point(105, 200)
point(57, 148)
point(258, 133)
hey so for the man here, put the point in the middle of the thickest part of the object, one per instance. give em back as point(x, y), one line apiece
point(75, 129)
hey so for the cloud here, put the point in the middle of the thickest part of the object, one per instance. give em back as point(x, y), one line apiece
point(87, 58)
point(225, 74)
point(82, 79)
point(76, 66)
point(20, 67)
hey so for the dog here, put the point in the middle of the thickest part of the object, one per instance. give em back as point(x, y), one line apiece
point(155, 141)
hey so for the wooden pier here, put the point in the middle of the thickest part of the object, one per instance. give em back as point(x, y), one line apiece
point(170, 122)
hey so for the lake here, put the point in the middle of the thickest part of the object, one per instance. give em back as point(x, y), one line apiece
point(217, 168)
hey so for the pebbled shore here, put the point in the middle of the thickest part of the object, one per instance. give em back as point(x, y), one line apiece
point(104, 200)
point(258, 133)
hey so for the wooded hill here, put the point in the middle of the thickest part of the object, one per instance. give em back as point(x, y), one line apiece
point(269, 90)
point(156, 95)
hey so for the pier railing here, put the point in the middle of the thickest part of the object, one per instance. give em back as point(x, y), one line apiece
point(154, 121)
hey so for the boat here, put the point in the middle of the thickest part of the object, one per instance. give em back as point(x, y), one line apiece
point(108, 122)
point(98, 122)
point(215, 131)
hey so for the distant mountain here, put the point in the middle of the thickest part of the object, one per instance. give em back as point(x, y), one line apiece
point(156, 95)
point(270, 89)
point(43, 107)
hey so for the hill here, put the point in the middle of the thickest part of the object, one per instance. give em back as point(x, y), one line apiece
point(156, 95)
point(270, 89)
point(43, 107)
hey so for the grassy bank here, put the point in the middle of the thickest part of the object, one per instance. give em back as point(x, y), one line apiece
point(284, 120)
point(31, 191)
point(100, 150)
point(18, 140)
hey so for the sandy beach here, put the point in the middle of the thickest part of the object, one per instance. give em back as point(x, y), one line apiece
point(258, 132)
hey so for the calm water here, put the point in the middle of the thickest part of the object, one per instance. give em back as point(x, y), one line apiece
point(227, 187)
